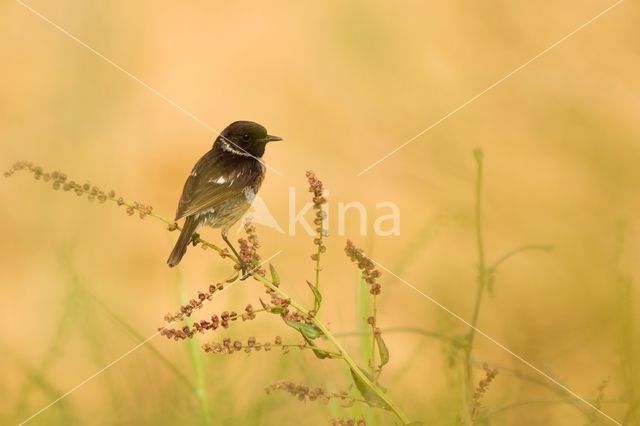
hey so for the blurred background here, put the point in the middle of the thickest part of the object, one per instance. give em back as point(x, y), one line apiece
point(344, 83)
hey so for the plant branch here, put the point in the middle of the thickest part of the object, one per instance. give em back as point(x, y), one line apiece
point(344, 354)
point(481, 283)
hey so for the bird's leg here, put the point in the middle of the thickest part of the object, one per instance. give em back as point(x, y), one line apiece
point(195, 239)
point(243, 265)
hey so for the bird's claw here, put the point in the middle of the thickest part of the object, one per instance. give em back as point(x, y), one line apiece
point(195, 239)
point(246, 272)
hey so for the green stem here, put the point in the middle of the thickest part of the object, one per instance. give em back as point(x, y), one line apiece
point(518, 250)
point(175, 370)
point(316, 302)
point(373, 339)
point(482, 279)
point(345, 355)
point(197, 364)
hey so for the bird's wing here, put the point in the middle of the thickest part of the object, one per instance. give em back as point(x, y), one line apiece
point(214, 180)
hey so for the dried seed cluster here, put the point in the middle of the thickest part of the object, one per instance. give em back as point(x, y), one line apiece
point(300, 391)
point(277, 304)
point(317, 188)
point(306, 393)
point(366, 265)
point(228, 347)
point(193, 304)
point(59, 180)
point(201, 326)
point(249, 248)
point(280, 305)
point(142, 209)
point(341, 421)
point(483, 385)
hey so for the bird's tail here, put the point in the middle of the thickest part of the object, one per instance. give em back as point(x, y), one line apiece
point(189, 228)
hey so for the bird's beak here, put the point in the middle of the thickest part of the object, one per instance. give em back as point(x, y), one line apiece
point(271, 138)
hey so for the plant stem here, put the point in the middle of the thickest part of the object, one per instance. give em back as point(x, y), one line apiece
point(175, 370)
point(518, 250)
point(345, 356)
point(195, 357)
point(482, 279)
point(374, 373)
point(316, 302)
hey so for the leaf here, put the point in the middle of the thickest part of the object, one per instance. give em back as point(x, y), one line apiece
point(367, 393)
point(232, 278)
point(275, 277)
point(316, 294)
point(382, 350)
point(272, 309)
point(320, 354)
point(308, 331)
point(317, 353)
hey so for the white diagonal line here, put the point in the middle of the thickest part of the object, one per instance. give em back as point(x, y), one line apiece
point(139, 81)
point(494, 341)
point(497, 83)
point(121, 357)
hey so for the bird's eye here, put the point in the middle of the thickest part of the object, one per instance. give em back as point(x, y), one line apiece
point(245, 136)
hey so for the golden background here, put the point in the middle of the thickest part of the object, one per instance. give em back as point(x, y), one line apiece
point(343, 83)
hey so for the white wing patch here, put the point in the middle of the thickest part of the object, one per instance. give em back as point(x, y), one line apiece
point(205, 213)
point(220, 180)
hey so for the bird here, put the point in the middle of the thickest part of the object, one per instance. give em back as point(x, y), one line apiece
point(222, 184)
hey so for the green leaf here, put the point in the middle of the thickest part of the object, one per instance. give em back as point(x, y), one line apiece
point(367, 393)
point(382, 350)
point(275, 277)
point(271, 309)
point(317, 353)
point(320, 354)
point(316, 294)
point(232, 278)
point(308, 331)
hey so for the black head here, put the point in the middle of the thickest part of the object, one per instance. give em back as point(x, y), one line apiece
point(244, 138)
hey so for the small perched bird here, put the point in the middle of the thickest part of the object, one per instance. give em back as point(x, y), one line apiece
point(222, 184)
